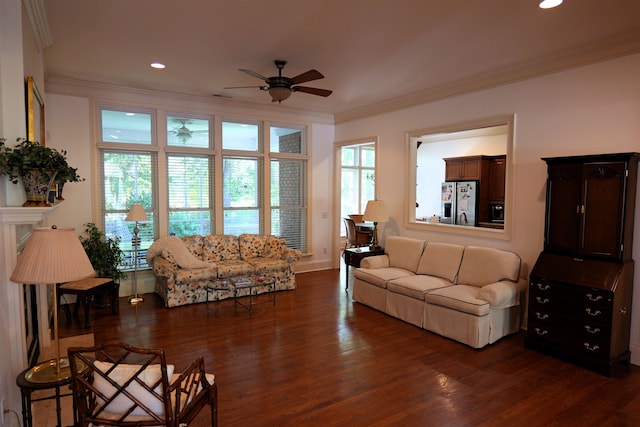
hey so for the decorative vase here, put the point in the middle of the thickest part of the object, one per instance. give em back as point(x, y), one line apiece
point(59, 192)
point(37, 183)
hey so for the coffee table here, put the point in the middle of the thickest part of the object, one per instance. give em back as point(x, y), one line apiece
point(237, 287)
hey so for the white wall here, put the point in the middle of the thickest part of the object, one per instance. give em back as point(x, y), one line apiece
point(590, 110)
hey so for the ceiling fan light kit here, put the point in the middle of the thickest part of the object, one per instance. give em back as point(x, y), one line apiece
point(281, 87)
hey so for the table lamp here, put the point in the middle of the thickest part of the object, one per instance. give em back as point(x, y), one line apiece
point(52, 256)
point(376, 211)
point(136, 213)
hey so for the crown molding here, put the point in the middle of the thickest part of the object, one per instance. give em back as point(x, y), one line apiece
point(37, 17)
point(619, 46)
point(172, 100)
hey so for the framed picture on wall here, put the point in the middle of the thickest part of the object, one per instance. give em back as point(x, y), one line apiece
point(35, 113)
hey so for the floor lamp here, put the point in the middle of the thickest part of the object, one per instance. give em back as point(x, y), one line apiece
point(52, 256)
point(136, 213)
point(376, 211)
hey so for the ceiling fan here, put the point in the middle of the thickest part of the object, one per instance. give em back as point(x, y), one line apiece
point(281, 87)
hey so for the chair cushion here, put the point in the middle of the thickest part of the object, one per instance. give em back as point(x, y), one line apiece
point(441, 260)
point(121, 374)
point(461, 298)
point(481, 266)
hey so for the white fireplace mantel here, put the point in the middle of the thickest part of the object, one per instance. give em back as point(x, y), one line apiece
point(20, 215)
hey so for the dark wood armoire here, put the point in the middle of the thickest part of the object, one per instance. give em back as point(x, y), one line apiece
point(581, 287)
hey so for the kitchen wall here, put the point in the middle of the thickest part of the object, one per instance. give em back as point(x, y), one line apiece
point(590, 110)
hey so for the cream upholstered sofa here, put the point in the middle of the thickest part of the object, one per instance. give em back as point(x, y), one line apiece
point(184, 267)
point(470, 294)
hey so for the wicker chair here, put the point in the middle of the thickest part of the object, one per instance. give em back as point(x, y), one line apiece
point(116, 384)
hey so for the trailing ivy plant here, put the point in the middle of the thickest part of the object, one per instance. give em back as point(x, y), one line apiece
point(105, 254)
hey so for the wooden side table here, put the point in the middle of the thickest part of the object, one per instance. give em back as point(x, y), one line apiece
point(353, 256)
point(85, 290)
point(27, 387)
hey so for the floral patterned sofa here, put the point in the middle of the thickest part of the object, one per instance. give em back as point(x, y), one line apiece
point(181, 278)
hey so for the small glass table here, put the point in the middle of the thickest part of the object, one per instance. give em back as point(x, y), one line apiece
point(236, 287)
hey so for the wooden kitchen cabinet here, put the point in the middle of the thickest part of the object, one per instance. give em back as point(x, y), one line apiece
point(465, 168)
point(581, 287)
point(497, 177)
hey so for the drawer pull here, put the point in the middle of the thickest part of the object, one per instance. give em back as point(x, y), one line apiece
point(541, 331)
point(591, 331)
point(543, 301)
point(541, 316)
point(594, 298)
point(592, 313)
point(591, 347)
point(543, 287)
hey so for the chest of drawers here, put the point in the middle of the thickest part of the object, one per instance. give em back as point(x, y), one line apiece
point(581, 310)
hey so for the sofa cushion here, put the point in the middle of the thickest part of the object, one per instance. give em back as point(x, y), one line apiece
point(416, 286)
point(404, 252)
point(265, 265)
point(194, 244)
point(251, 245)
point(234, 267)
point(380, 276)
point(274, 247)
point(481, 266)
point(184, 276)
point(220, 247)
point(441, 260)
point(461, 298)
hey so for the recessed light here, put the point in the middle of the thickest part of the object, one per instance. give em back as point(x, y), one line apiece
point(157, 65)
point(548, 4)
point(130, 114)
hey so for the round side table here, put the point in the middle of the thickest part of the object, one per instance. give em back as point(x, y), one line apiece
point(27, 387)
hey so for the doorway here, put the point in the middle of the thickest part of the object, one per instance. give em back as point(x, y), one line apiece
point(356, 183)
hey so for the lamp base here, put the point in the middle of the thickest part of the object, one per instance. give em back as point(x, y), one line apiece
point(47, 372)
point(136, 299)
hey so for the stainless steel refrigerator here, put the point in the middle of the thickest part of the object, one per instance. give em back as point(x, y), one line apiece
point(459, 203)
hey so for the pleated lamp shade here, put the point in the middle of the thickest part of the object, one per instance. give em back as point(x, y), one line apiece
point(52, 255)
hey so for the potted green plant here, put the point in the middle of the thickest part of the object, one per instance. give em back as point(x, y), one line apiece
point(105, 254)
point(35, 164)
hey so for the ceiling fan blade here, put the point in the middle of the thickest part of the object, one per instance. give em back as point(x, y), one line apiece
point(253, 73)
point(245, 87)
point(307, 77)
point(312, 90)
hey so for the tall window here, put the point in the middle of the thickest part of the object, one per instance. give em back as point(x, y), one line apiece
point(288, 186)
point(357, 177)
point(189, 175)
point(129, 175)
point(189, 195)
point(242, 160)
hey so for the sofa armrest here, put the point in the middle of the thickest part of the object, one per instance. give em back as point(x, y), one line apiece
point(292, 255)
point(163, 267)
point(376, 261)
point(504, 293)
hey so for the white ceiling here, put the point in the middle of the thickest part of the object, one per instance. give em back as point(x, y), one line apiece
point(375, 54)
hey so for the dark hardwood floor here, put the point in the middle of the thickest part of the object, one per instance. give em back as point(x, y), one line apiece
point(317, 358)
